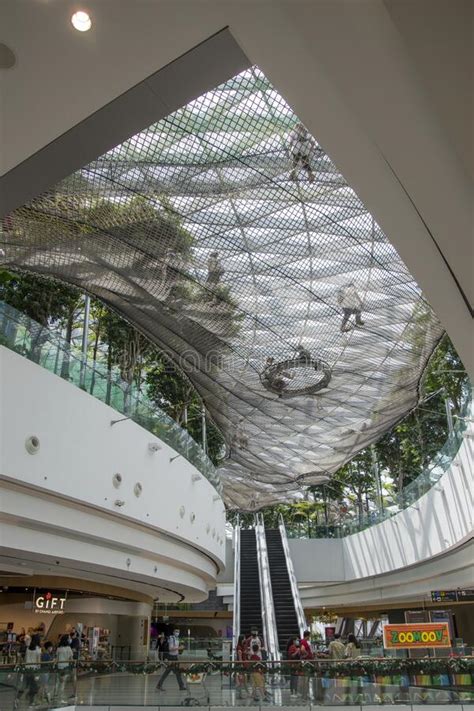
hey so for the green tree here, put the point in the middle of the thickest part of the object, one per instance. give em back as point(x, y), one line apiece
point(45, 301)
point(172, 392)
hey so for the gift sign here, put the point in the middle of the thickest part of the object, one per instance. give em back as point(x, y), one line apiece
point(418, 635)
point(46, 603)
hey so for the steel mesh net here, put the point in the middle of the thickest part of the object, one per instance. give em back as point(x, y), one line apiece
point(226, 234)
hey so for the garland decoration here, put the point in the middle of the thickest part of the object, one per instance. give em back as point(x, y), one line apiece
point(360, 667)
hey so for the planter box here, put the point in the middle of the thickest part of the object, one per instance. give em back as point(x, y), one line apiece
point(441, 680)
point(422, 679)
point(386, 680)
point(462, 679)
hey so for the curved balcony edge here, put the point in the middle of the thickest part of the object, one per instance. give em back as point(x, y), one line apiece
point(57, 444)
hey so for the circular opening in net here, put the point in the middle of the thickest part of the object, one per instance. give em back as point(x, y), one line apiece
point(296, 376)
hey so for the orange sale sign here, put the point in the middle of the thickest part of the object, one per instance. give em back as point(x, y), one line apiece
point(416, 635)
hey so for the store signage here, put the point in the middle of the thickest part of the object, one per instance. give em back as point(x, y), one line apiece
point(444, 596)
point(418, 635)
point(465, 595)
point(45, 603)
point(452, 595)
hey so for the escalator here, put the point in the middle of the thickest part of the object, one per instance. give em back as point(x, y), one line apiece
point(265, 587)
point(250, 602)
point(283, 597)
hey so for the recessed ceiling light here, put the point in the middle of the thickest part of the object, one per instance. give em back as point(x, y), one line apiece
point(81, 21)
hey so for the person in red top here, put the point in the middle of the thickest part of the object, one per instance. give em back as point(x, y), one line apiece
point(306, 645)
point(293, 654)
point(306, 653)
point(240, 657)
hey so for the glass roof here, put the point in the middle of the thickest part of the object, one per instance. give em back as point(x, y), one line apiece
point(226, 234)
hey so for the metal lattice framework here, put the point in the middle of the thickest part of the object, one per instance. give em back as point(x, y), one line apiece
point(232, 242)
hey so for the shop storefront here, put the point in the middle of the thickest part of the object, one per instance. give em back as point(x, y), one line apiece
point(105, 627)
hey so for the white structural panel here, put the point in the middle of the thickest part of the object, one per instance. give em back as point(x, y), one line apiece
point(61, 502)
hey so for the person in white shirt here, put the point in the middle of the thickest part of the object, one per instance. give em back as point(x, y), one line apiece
point(174, 649)
point(351, 304)
point(255, 640)
point(64, 655)
point(353, 649)
point(337, 649)
point(64, 659)
point(32, 666)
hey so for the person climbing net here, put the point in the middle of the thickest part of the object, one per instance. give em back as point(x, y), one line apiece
point(301, 145)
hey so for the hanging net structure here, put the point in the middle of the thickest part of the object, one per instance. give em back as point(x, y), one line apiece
point(226, 234)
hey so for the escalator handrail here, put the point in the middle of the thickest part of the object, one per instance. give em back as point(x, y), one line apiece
point(266, 593)
point(300, 616)
point(236, 613)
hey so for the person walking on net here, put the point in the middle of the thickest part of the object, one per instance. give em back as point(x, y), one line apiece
point(351, 303)
point(301, 145)
point(215, 270)
point(173, 666)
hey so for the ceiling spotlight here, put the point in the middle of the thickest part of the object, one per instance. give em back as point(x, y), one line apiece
point(81, 21)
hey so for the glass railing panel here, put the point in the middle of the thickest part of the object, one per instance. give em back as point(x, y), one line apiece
point(366, 680)
point(48, 349)
point(8, 684)
point(42, 686)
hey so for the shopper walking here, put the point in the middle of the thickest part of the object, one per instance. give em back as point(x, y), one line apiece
point(47, 657)
point(174, 650)
point(64, 658)
point(32, 667)
point(75, 645)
